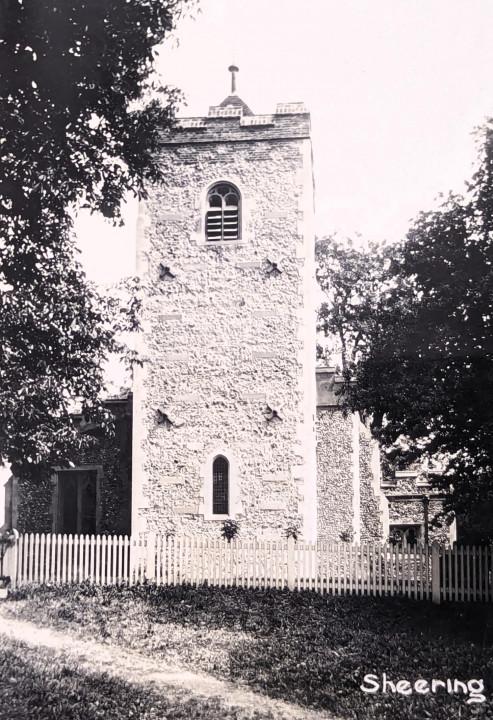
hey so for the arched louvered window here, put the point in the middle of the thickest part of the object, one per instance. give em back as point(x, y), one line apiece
point(220, 486)
point(222, 220)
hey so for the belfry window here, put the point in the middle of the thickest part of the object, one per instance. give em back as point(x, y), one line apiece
point(220, 486)
point(222, 220)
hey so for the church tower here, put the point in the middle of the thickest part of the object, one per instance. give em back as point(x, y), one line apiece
point(224, 405)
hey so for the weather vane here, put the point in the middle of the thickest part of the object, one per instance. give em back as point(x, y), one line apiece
point(233, 70)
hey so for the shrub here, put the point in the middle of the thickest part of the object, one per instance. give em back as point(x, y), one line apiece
point(293, 531)
point(230, 529)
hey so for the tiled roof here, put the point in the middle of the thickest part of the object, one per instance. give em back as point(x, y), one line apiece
point(237, 102)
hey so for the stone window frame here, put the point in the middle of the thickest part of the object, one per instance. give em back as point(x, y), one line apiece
point(235, 508)
point(245, 235)
point(55, 496)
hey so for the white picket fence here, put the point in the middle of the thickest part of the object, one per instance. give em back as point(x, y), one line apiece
point(458, 574)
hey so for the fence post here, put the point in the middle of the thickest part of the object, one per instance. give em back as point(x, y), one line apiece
point(10, 559)
point(291, 567)
point(435, 572)
point(151, 557)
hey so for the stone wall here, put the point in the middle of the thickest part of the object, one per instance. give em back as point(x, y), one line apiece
point(371, 497)
point(335, 474)
point(226, 339)
point(34, 505)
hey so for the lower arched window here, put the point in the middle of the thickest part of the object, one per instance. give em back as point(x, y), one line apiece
point(220, 486)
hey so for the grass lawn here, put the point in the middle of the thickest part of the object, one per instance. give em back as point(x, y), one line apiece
point(300, 647)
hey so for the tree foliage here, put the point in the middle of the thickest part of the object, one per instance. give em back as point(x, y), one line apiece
point(422, 368)
point(353, 278)
point(75, 130)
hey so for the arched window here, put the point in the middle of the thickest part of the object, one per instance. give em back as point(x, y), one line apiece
point(222, 220)
point(220, 486)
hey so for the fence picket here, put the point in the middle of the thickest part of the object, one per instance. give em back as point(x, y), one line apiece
point(168, 544)
point(337, 568)
point(90, 550)
point(85, 556)
point(77, 545)
point(197, 563)
point(194, 554)
point(487, 581)
point(73, 558)
point(262, 560)
point(36, 558)
point(406, 579)
point(47, 552)
point(97, 574)
point(50, 558)
point(480, 574)
point(198, 556)
point(232, 562)
point(26, 557)
point(220, 553)
point(163, 560)
point(296, 552)
point(242, 573)
point(20, 562)
point(111, 549)
point(30, 556)
point(185, 552)
point(83, 552)
point(462, 579)
point(371, 565)
point(125, 552)
point(391, 563)
point(490, 598)
point(42, 559)
point(105, 565)
point(456, 575)
point(232, 546)
point(474, 572)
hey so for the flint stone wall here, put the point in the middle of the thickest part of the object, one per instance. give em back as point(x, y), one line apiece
point(371, 498)
point(410, 511)
point(335, 474)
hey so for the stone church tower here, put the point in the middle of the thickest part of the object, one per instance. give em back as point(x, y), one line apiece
point(224, 406)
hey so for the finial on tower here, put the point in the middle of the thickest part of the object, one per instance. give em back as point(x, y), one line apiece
point(233, 70)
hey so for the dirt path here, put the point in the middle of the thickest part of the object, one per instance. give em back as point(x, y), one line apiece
point(94, 657)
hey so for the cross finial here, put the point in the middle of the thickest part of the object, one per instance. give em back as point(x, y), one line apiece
point(233, 70)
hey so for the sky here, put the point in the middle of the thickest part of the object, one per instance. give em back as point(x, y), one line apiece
point(395, 89)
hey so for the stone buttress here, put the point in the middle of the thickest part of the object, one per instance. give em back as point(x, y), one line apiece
point(351, 505)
